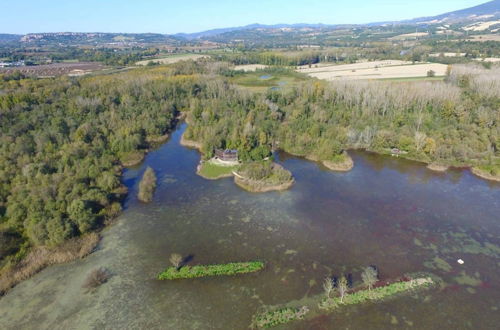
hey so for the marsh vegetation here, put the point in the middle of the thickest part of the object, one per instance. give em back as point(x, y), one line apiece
point(147, 186)
point(235, 268)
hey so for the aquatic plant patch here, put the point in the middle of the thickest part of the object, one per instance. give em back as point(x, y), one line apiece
point(374, 294)
point(235, 268)
point(273, 318)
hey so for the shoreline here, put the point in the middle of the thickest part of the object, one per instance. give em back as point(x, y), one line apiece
point(42, 257)
point(345, 166)
point(437, 167)
point(255, 187)
point(138, 159)
point(190, 143)
point(482, 174)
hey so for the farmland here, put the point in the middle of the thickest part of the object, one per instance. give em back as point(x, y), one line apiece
point(56, 69)
point(392, 69)
point(172, 59)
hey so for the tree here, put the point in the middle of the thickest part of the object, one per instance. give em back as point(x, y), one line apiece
point(431, 73)
point(369, 277)
point(328, 286)
point(342, 287)
point(80, 212)
point(176, 260)
point(147, 186)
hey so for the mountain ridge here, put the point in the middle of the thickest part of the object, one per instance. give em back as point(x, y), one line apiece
point(471, 13)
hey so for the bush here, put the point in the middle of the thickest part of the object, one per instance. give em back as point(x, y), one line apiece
point(96, 278)
point(280, 316)
point(173, 273)
point(147, 186)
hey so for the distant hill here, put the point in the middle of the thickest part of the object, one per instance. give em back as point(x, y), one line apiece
point(489, 8)
point(486, 11)
point(6, 38)
point(95, 38)
point(215, 32)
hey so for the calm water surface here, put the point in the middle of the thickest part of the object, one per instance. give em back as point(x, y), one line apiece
point(387, 212)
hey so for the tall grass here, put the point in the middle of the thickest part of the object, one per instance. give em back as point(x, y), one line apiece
point(42, 256)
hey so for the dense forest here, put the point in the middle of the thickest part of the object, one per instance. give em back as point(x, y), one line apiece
point(453, 122)
point(107, 56)
point(62, 143)
point(64, 140)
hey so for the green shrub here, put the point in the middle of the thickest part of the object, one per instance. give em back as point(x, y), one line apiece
point(270, 319)
point(172, 273)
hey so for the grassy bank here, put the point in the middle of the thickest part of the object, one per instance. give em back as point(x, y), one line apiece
point(40, 257)
point(235, 268)
point(212, 171)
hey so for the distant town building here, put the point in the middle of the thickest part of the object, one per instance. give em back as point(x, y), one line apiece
point(11, 64)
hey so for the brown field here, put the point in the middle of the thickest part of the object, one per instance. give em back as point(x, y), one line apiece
point(392, 69)
point(486, 37)
point(488, 59)
point(173, 59)
point(481, 26)
point(409, 36)
point(56, 69)
point(447, 54)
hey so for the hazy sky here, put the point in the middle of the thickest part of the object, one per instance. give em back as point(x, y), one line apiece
point(169, 16)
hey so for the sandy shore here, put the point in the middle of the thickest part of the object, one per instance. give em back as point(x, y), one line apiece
point(190, 143)
point(482, 174)
point(437, 167)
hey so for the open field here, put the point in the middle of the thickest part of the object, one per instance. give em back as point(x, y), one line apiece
point(488, 59)
point(486, 37)
point(262, 80)
point(409, 35)
point(321, 67)
point(250, 67)
point(376, 70)
point(447, 54)
point(210, 170)
point(481, 26)
point(172, 59)
point(411, 79)
point(56, 69)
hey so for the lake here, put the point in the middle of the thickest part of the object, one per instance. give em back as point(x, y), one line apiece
point(388, 212)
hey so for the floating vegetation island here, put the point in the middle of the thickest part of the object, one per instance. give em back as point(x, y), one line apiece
point(234, 268)
point(310, 307)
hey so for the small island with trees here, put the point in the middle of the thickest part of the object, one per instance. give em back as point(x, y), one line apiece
point(338, 293)
point(261, 175)
point(147, 186)
point(180, 270)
